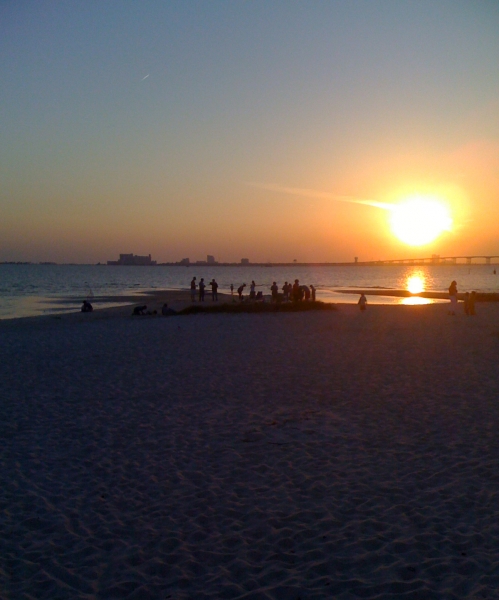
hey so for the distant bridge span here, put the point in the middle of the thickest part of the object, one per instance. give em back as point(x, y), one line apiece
point(434, 260)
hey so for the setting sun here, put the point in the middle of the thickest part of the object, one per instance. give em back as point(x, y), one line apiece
point(419, 220)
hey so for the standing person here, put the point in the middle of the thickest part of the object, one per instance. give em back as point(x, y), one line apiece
point(313, 292)
point(466, 303)
point(275, 291)
point(362, 302)
point(232, 292)
point(296, 291)
point(252, 290)
point(285, 292)
point(240, 290)
point(453, 298)
point(306, 292)
point(214, 292)
point(201, 290)
point(193, 290)
point(472, 303)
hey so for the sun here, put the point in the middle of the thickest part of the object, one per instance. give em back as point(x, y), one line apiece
point(419, 220)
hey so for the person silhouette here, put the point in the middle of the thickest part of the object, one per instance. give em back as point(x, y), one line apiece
point(86, 306)
point(166, 312)
point(453, 298)
point(296, 290)
point(362, 302)
point(472, 303)
point(214, 288)
point(275, 292)
point(252, 290)
point(285, 292)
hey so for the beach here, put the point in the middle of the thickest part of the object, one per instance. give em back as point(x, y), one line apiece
point(276, 456)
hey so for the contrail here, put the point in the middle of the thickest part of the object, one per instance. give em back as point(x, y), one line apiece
point(321, 195)
point(145, 77)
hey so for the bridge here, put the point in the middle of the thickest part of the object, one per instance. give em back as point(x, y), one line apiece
point(434, 260)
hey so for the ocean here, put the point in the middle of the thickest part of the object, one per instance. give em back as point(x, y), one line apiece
point(32, 290)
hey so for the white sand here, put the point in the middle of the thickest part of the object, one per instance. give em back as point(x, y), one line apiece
point(283, 456)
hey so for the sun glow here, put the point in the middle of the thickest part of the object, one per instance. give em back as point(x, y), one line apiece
point(419, 220)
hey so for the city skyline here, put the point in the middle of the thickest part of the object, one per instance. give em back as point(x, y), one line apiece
point(269, 131)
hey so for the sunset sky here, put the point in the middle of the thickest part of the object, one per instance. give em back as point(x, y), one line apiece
point(269, 130)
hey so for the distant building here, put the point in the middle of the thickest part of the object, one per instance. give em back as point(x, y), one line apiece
point(133, 260)
point(245, 261)
point(356, 259)
point(210, 259)
point(185, 262)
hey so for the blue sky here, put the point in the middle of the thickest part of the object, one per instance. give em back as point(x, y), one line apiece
point(138, 127)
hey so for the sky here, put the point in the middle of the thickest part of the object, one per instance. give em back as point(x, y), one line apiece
point(245, 128)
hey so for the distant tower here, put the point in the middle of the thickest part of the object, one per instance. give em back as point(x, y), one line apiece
point(356, 259)
point(210, 259)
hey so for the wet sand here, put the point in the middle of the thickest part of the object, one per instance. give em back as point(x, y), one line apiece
point(280, 456)
point(106, 307)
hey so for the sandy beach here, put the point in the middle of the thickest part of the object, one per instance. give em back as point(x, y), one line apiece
point(276, 456)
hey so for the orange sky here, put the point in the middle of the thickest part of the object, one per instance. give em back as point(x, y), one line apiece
point(366, 101)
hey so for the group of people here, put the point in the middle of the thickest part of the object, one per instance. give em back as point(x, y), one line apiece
point(290, 292)
point(295, 292)
point(468, 304)
point(198, 289)
point(140, 311)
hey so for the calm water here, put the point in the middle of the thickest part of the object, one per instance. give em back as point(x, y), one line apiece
point(27, 290)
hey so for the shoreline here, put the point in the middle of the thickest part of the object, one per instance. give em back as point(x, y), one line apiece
point(122, 304)
point(178, 300)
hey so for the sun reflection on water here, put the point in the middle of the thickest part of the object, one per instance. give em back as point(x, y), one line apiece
point(416, 300)
point(416, 283)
